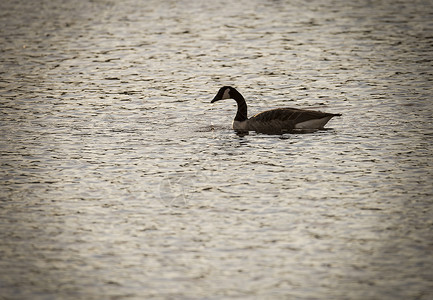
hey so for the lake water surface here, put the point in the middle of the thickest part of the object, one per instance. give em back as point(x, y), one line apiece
point(119, 179)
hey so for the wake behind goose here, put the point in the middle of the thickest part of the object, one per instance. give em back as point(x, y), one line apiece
point(274, 121)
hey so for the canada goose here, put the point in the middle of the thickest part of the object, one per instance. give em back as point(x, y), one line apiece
point(274, 121)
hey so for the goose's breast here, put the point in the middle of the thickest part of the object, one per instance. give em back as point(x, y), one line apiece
point(240, 125)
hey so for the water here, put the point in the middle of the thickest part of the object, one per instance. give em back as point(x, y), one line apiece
point(119, 180)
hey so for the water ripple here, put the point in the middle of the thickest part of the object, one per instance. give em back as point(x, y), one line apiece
point(119, 179)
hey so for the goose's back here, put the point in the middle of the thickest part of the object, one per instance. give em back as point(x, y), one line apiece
point(290, 114)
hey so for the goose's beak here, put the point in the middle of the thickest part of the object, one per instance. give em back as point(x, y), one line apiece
point(215, 99)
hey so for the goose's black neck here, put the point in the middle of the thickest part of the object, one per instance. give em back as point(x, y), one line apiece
point(241, 114)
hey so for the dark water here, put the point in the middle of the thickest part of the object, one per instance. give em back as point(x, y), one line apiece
point(119, 180)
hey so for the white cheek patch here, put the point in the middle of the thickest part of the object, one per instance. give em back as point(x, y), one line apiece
point(226, 94)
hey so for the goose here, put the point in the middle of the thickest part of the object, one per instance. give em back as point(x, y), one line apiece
point(274, 121)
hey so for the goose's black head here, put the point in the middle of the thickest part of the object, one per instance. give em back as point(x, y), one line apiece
point(226, 92)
